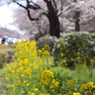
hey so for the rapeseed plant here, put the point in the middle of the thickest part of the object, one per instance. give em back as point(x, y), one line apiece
point(30, 74)
point(29, 69)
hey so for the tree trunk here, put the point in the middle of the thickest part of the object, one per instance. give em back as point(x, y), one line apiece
point(77, 25)
point(54, 26)
point(77, 22)
point(53, 19)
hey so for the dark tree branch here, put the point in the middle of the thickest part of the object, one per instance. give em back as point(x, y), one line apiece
point(28, 3)
point(20, 4)
point(27, 9)
point(69, 19)
point(61, 8)
point(45, 13)
point(36, 4)
point(33, 7)
point(64, 10)
point(93, 7)
point(54, 3)
point(61, 5)
point(55, 6)
point(29, 15)
point(46, 1)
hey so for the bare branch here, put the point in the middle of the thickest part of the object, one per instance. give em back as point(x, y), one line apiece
point(29, 15)
point(46, 1)
point(28, 3)
point(27, 9)
point(19, 4)
point(71, 20)
point(64, 10)
point(93, 7)
point(36, 4)
point(61, 5)
point(54, 3)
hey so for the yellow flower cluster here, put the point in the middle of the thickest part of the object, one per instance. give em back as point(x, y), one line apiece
point(46, 46)
point(29, 74)
point(43, 52)
point(70, 84)
point(45, 76)
point(12, 86)
point(87, 87)
point(28, 70)
point(76, 93)
point(47, 79)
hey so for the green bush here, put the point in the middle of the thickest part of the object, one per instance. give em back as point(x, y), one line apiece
point(6, 58)
point(75, 48)
point(2, 60)
point(46, 41)
point(37, 36)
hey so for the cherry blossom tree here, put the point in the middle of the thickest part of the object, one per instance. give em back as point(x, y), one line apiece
point(59, 11)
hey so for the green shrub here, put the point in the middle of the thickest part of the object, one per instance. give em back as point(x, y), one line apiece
point(2, 60)
point(6, 58)
point(46, 41)
point(75, 48)
point(37, 36)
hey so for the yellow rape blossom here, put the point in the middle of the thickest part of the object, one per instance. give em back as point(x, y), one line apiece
point(32, 94)
point(53, 81)
point(36, 89)
point(76, 93)
point(62, 54)
point(58, 46)
point(78, 53)
point(6, 78)
point(43, 86)
point(27, 84)
point(41, 94)
point(25, 81)
point(56, 83)
point(8, 86)
point(92, 60)
point(12, 92)
point(69, 83)
point(7, 65)
point(90, 85)
point(83, 87)
point(13, 86)
point(19, 82)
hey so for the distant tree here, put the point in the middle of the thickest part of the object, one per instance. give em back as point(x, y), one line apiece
point(52, 13)
point(24, 24)
point(82, 10)
point(9, 33)
point(54, 9)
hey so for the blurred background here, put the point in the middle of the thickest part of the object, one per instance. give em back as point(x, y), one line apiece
point(35, 18)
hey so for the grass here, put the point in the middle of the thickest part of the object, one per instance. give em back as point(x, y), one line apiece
point(3, 83)
point(63, 74)
point(6, 53)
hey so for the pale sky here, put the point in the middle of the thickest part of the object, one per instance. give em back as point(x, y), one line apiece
point(6, 15)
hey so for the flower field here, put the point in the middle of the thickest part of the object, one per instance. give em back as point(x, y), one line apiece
point(33, 73)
